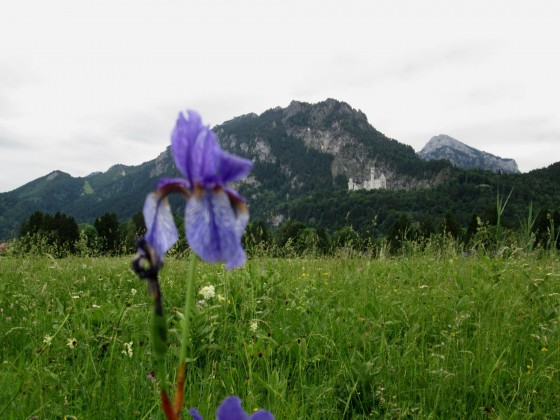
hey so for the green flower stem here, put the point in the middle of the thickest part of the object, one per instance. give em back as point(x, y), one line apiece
point(159, 334)
point(158, 322)
point(187, 310)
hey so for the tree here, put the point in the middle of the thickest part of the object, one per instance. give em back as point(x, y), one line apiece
point(139, 224)
point(108, 232)
point(132, 230)
point(257, 236)
point(450, 226)
point(400, 232)
point(67, 230)
point(290, 231)
point(33, 225)
point(346, 237)
point(61, 231)
point(425, 228)
point(547, 229)
point(472, 228)
point(324, 242)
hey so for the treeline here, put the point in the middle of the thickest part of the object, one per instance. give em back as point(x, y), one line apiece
point(59, 235)
point(539, 230)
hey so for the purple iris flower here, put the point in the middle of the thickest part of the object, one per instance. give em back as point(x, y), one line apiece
point(231, 410)
point(215, 215)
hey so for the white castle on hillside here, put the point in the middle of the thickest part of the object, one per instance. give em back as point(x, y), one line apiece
point(372, 184)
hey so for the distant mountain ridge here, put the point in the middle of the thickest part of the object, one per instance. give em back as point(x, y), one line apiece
point(465, 157)
point(304, 155)
point(296, 150)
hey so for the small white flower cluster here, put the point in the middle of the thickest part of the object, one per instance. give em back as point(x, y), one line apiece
point(254, 325)
point(128, 349)
point(207, 292)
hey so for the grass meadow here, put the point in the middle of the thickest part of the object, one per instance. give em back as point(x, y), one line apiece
point(425, 336)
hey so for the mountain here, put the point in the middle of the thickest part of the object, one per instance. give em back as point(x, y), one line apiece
point(296, 150)
point(465, 157)
point(304, 155)
point(121, 189)
point(308, 147)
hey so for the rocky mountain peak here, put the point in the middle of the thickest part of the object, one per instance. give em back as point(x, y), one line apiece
point(329, 136)
point(464, 156)
point(322, 114)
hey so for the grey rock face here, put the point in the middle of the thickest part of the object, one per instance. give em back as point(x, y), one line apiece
point(466, 157)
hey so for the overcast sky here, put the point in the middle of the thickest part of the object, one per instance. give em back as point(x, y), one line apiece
point(88, 84)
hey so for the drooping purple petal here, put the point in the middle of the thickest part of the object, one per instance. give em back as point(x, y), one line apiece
point(239, 208)
point(231, 409)
point(233, 167)
point(262, 415)
point(194, 414)
point(161, 230)
point(214, 227)
point(169, 185)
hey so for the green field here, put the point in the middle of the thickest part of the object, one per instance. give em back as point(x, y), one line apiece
point(425, 336)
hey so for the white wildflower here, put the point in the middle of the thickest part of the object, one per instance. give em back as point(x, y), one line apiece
point(133, 291)
point(47, 340)
point(208, 292)
point(254, 325)
point(128, 349)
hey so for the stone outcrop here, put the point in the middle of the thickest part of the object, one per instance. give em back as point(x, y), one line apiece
point(465, 157)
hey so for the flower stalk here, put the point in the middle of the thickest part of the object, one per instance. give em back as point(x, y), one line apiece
point(180, 391)
point(147, 267)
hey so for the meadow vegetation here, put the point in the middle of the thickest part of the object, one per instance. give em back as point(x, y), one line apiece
point(433, 332)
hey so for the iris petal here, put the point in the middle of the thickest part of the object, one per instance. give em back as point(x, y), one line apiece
point(174, 184)
point(181, 140)
point(239, 207)
point(233, 167)
point(262, 415)
point(214, 227)
point(196, 150)
point(231, 409)
point(161, 230)
point(205, 158)
point(195, 414)
point(187, 132)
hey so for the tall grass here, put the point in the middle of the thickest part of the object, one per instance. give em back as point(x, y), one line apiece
point(424, 335)
point(527, 236)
